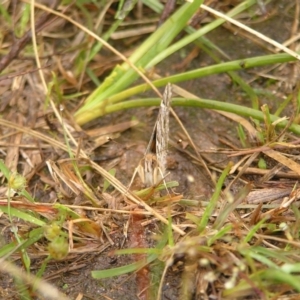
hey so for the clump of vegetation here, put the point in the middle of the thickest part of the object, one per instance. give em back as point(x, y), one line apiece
point(82, 64)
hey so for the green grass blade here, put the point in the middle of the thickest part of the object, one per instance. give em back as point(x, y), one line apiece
point(106, 183)
point(122, 76)
point(155, 251)
point(261, 258)
point(202, 31)
point(278, 276)
point(231, 206)
point(5, 14)
point(3, 168)
point(22, 215)
point(219, 234)
point(154, 5)
point(253, 231)
point(202, 103)
point(224, 67)
point(275, 254)
point(100, 274)
point(24, 21)
point(214, 199)
point(34, 236)
point(291, 268)
point(124, 269)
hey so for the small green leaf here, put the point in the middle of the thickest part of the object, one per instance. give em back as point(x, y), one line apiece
point(106, 183)
point(262, 164)
point(3, 168)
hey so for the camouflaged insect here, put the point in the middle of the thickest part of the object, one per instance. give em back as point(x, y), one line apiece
point(152, 167)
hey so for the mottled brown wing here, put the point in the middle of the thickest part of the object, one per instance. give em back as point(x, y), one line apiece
point(152, 167)
point(162, 129)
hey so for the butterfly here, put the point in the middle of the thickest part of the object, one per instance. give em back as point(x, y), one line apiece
point(152, 168)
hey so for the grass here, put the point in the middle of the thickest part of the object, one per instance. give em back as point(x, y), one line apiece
point(57, 203)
